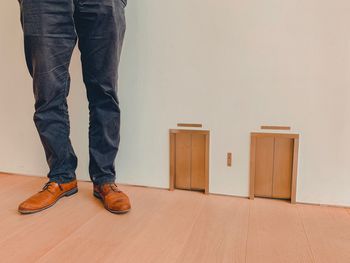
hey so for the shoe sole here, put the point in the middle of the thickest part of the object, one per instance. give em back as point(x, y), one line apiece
point(98, 196)
point(65, 194)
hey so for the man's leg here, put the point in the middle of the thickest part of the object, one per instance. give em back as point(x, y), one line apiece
point(100, 26)
point(49, 39)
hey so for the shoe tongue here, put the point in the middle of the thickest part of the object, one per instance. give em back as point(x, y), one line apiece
point(52, 185)
point(105, 188)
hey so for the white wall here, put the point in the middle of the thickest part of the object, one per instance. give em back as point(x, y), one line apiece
point(231, 65)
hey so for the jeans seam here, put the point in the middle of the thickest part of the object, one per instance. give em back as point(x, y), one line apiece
point(64, 112)
point(124, 3)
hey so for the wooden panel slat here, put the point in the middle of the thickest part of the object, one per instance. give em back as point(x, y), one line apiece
point(276, 234)
point(197, 125)
point(172, 161)
point(183, 161)
point(198, 162)
point(265, 127)
point(264, 166)
point(283, 165)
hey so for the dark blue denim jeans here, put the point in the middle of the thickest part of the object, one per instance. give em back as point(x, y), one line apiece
point(51, 29)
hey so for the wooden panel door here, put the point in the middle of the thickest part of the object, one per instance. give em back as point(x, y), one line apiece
point(189, 159)
point(283, 168)
point(264, 159)
point(198, 162)
point(183, 161)
point(274, 165)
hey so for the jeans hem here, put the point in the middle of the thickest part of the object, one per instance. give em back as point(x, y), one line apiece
point(62, 181)
point(104, 181)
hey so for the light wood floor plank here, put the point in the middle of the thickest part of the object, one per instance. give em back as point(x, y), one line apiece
point(220, 232)
point(3, 175)
point(328, 230)
point(11, 196)
point(106, 232)
point(276, 233)
point(162, 238)
point(11, 181)
point(168, 227)
point(33, 235)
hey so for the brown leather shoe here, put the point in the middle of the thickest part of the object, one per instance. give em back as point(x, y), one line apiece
point(113, 199)
point(47, 197)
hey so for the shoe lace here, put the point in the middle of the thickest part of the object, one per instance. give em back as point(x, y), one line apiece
point(49, 185)
point(114, 187)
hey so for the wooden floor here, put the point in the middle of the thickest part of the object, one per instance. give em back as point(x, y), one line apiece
point(163, 226)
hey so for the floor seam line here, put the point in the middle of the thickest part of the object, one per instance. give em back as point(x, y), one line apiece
point(192, 226)
point(246, 241)
point(307, 237)
point(37, 259)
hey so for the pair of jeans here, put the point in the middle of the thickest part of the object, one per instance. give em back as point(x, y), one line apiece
point(51, 29)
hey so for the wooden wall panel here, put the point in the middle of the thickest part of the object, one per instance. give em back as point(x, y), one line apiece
point(264, 166)
point(189, 159)
point(283, 168)
point(198, 162)
point(172, 161)
point(183, 161)
point(284, 165)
